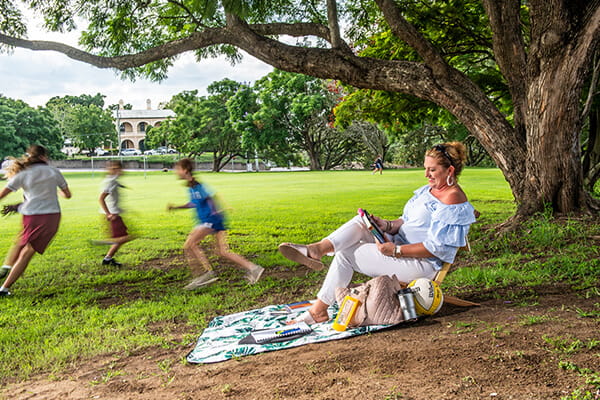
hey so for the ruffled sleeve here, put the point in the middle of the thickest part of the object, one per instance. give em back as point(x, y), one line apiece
point(449, 227)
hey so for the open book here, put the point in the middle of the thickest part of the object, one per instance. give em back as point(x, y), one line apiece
point(279, 334)
point(371, 225)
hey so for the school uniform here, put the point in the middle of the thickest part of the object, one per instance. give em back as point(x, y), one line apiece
point(206, 209)
point(40, 208)
point(111, 187)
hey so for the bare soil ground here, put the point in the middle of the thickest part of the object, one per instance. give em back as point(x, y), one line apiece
point(496, 351)
point(500, 350)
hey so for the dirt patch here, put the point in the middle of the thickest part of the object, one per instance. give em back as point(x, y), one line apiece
point(117, 293)
point(496, 351)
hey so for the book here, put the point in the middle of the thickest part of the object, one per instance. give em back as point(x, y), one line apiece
point(298, 306)
point(279, 334)
point(371, 225)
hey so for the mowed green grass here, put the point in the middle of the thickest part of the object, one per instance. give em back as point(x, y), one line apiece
point(68, 307)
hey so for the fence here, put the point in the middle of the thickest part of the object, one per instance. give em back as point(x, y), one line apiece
point(142, 163)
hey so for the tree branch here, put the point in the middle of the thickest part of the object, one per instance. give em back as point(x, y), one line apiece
point(508, 44)
point(593, 85)
point(588, 39)
point(334, 28)
point(407, 32)
point(187, 11)
point(208, 37)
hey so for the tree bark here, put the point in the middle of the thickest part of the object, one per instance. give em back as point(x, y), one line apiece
point(558, 65)
point(591, 160)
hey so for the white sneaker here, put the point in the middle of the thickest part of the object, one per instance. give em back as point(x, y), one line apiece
point(203, 280)
point(254, 274)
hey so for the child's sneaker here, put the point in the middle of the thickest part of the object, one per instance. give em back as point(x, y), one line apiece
point(254, 274)
point(111, 262)
point(5, 293)
point(203, 280)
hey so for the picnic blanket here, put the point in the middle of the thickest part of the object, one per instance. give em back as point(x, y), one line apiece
point(220, 340)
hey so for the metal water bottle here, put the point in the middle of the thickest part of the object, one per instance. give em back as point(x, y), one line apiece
point(407, 302)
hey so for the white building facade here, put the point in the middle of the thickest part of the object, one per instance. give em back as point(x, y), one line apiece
point(133, 124)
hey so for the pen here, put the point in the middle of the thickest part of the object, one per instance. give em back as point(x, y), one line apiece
point(285, 332)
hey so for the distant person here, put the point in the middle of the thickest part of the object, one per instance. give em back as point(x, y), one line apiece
point(211, 221)
point(40, 210)
point(378, 165)
point(109, 203)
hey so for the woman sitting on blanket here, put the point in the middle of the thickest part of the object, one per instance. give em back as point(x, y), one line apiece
point(433, 227)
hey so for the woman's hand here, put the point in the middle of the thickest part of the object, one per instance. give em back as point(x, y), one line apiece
point(387, 249)
point(381, 223)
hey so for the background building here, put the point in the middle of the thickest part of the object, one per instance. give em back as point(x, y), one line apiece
point(133, 124)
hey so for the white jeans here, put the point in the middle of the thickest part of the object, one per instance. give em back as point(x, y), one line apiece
point(355, 250)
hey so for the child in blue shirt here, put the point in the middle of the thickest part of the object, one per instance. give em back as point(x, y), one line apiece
point(211, 221)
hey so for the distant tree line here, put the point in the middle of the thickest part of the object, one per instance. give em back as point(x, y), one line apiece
point(290, 118)
point(82, 120)
point(285, 118)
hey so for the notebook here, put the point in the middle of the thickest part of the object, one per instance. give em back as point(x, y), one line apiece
point(279, 334)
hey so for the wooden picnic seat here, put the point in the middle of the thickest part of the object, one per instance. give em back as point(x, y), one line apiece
point(441, 274)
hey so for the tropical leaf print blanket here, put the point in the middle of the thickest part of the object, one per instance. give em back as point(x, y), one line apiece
point(220, 340)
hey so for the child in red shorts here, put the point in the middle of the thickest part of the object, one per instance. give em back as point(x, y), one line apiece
point(109, 202)
point(40, 210)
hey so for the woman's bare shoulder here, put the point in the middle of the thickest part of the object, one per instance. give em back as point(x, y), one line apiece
point(456, 196)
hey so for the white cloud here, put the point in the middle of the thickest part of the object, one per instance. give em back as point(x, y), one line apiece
point(35, 77)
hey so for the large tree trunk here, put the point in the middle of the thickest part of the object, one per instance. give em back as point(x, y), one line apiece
point(546, 86)
point(553, 169)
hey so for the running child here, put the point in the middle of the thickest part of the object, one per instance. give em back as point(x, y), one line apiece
point(40, 210)
point(109, 202)
point(211, 221)
point(378, 165)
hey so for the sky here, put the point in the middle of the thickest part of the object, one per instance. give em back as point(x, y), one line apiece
point(37, 76)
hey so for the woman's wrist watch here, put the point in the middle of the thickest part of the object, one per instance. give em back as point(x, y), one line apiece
point(397, 251)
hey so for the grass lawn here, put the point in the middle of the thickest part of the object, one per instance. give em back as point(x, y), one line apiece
point(68, 307)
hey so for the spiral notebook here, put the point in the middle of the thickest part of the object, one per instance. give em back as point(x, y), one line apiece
point(280, 334)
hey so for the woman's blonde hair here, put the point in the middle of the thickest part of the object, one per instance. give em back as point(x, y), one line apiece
point(450, 153)
point(35, 154)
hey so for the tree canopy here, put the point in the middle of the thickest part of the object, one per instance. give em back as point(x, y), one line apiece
point(295, 112)
point(22, 125)
point(83, 120)
point(202, 124)
point(542, 49)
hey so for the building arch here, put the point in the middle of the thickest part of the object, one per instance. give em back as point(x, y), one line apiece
point(142, 126)
point(127, 144)
point(126, 127)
